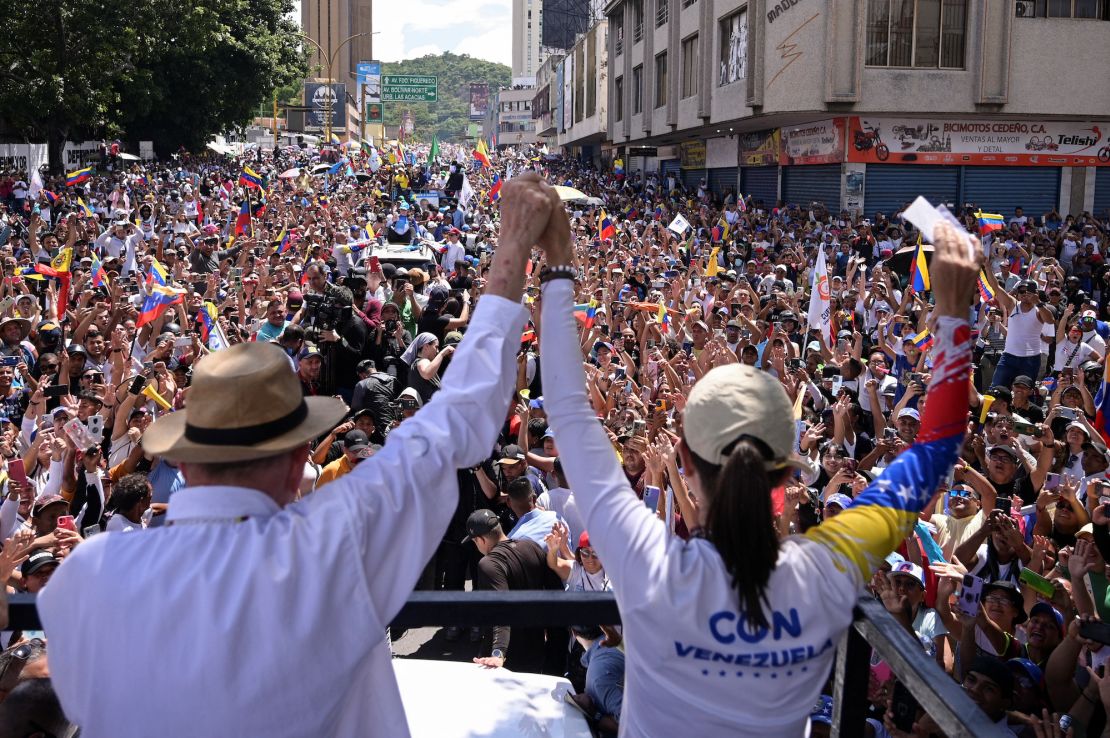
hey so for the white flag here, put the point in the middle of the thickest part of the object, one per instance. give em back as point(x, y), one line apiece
point(820, 311)
point(36, 187)
point(467, 192)
point(679, 225)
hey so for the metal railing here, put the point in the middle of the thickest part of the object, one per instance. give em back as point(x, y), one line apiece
point(872, 629)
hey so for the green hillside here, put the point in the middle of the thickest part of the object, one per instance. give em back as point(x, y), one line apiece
point(449, 117)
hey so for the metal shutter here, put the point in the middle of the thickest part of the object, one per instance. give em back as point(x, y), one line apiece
point(760, 183)
point(691, 178)
point(723, 178)
point(1102, 192)
point(669, 166)
point(887, 187)
point(1000, 189)
point(803, 185)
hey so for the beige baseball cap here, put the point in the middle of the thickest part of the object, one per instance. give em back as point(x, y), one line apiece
point(736, 400)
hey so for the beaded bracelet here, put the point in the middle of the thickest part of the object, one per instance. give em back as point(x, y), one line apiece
point(558, 272)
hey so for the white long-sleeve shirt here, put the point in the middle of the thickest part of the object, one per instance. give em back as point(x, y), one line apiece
point(686, 633)
point(274, 624)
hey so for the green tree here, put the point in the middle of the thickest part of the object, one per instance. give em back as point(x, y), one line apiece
point(449, 117)
point(172, 72)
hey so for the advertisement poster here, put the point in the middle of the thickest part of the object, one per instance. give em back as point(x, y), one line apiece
point(988, 142)
point(854, 182)
point(479, 100)
point(821, 142)
point(759, 148)
point(317, 98)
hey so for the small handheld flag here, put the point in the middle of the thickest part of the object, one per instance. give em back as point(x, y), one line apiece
point(605, 227)
point(986, 294)
point(919, 269)
point(923, 340)
point(99, 276)
point(250, 178)
point(85, 209)
point(156, 303)
point(989, 222)
point(495, 189)
point(81, 175)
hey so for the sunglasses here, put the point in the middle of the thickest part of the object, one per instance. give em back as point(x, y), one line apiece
point(963, 493)
point(587, 553)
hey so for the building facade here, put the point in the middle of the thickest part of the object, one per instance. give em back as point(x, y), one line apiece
point(329, 23)
point(509, 122)
point(528, 50)
point(582, 100)
point(864, 104)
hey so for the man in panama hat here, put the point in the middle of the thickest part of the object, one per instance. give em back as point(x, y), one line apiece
point(250, 612)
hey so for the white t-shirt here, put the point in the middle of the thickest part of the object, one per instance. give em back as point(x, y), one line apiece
point(1070, 355)
point(1023, 336)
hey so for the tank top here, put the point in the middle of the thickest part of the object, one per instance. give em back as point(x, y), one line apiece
point(1024, 333)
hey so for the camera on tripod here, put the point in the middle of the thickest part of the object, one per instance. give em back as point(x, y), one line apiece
point(323, 313)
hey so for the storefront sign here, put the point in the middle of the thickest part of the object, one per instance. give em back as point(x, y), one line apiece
point(821, 142)
point(991, 142)
point(759, 148)
point(691, 155)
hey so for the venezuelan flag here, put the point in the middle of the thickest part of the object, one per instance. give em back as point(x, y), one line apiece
point(81, 175)
point(923, 340)
point(986, 294)
point(713, 266)
point(591, 313)
point(284, 242)
point(664, 316)
point(50, 197)
point(1102, 412)
point(250, 178)
point(85, 209)
point(989, 222)
point(631, 214)
point(919, 270)
point(495, 189)
point(158, 274)
point(580, 311)
point(885, 512)
point(605, 227)
point(156, 303)
point(206, 321)
point(99, 276)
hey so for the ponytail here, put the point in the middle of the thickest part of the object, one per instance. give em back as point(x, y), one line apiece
point(740, 521)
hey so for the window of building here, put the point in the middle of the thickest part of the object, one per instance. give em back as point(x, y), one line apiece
point(928, 34)
point(616, 20)
point(618, 105)
point(734, 47)
point(690, 66)
point(637, 20)
point(661, 80)
point(1096, 9)
point(637, 89)
point(688, 3)
point(662, 11)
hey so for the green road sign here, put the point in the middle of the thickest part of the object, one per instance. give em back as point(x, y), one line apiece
point(409, 88)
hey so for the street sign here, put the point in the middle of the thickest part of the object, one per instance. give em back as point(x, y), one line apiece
point(409, 88)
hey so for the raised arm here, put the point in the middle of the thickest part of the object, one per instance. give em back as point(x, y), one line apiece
point(456, 429)
point(883, 515)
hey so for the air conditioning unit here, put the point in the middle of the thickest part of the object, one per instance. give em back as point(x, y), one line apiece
point(1025, 8)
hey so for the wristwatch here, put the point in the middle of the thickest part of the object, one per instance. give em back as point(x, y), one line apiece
point(498, 654)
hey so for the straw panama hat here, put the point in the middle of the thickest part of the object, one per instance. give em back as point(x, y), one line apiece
point(245, 403)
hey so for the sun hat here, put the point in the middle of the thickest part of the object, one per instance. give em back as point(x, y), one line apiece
point(246, 405)
point(735, 401)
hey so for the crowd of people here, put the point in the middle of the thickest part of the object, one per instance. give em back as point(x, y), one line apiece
point(119, 286)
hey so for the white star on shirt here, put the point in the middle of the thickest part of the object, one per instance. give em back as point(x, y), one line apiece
point(906, 496)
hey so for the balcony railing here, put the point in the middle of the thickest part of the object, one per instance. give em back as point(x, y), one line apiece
point(872, 629)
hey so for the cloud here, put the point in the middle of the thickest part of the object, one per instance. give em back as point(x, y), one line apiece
point(480, 28)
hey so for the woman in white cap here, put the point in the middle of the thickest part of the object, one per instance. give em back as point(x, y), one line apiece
point(736, 625)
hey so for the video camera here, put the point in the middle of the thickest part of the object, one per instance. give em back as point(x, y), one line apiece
point(323, 313)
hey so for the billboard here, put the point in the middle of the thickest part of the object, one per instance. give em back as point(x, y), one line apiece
point(479, 100)
point(759, 148)
point(563, 20)
point(969, 141)
point(317, 97)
